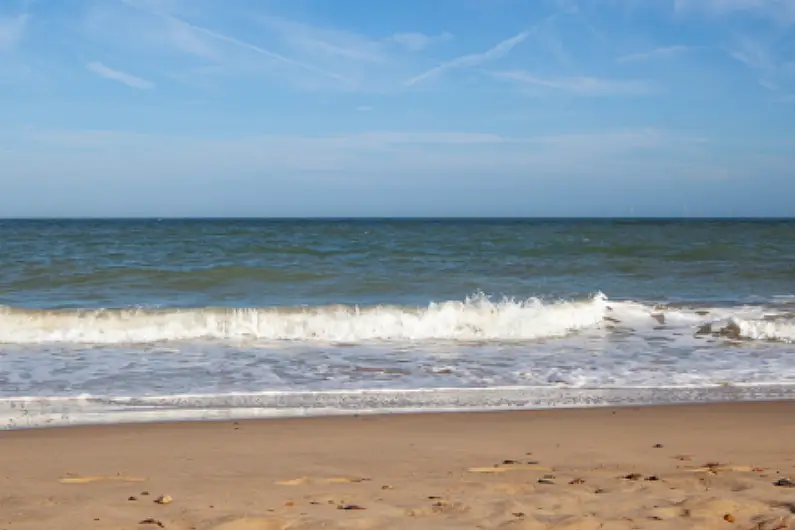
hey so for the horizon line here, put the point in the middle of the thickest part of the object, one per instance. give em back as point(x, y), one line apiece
point(403, 218)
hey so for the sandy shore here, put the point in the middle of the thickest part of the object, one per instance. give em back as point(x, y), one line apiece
point(712, 466)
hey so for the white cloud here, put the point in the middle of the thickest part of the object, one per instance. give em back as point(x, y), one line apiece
point(117, 75)
point(12, 29)
point(501, 49)
point(414, 41)
point(585, 86)
point(657, 53)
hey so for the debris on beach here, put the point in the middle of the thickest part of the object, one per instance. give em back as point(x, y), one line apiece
point(658, 446)
point(577, 481)
point(350, 507)
point(152, 521)
point(785, 483)
point(164, 499)
point(132, 498)
point(729, 518)
point(633, 476)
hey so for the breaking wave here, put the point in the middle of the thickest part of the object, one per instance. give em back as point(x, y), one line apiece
point(475, 318)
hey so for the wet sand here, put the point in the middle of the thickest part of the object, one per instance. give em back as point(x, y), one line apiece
point(702, 466)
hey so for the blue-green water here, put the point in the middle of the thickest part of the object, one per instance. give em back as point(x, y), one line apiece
point(556, 310)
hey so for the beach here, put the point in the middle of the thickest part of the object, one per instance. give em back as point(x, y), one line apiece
point(660, 467)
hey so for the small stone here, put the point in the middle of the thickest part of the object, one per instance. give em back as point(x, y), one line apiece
point(545, 481)
point(652, 478)
point(658, 446)
point(509, 462)
point(729, 518)
point(164, 499)
point(350, 507)
point(633, 476)
point(144, 493)
point(577, 481)
point(518, 514)
point(132, 498)
point(784, 483)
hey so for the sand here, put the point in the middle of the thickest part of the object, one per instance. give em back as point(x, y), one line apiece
point(711, 466)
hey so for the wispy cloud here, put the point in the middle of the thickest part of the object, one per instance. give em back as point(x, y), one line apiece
point(474, 59)
point(252, 47)
point(221, 49)
point(323, 42)
point(781, 11)
point(416, 42)
point(12, 29)
point(761, 59)
point(117, 75)
point(656, 53)
point(184, 156)
point(584, 86)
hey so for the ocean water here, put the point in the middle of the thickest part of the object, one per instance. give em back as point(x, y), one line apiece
point(144, 320)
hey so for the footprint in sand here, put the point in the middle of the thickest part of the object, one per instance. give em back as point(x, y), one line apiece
point(252, 523)
point(98, 478)
point(511, 467)
point(301, 481)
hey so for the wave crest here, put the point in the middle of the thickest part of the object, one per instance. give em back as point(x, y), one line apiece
point(474, 319)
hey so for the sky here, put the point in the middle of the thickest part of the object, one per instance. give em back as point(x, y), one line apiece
point(382, 108)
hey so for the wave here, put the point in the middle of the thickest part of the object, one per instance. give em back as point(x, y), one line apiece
point(475, 319)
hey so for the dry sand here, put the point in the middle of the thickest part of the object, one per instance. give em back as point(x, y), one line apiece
point(712, 466)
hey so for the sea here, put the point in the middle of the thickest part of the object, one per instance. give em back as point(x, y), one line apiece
point(114, 321)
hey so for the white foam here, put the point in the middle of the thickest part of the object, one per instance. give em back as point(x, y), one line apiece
point(19, 413)
point(476, 318)
point(769, 330)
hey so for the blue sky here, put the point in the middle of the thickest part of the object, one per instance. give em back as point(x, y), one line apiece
point(354, 107)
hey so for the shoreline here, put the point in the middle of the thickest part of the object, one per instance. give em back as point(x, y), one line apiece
point(56, 412)
point(614, 468)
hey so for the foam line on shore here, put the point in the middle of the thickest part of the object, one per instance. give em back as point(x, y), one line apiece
point(35, 412)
